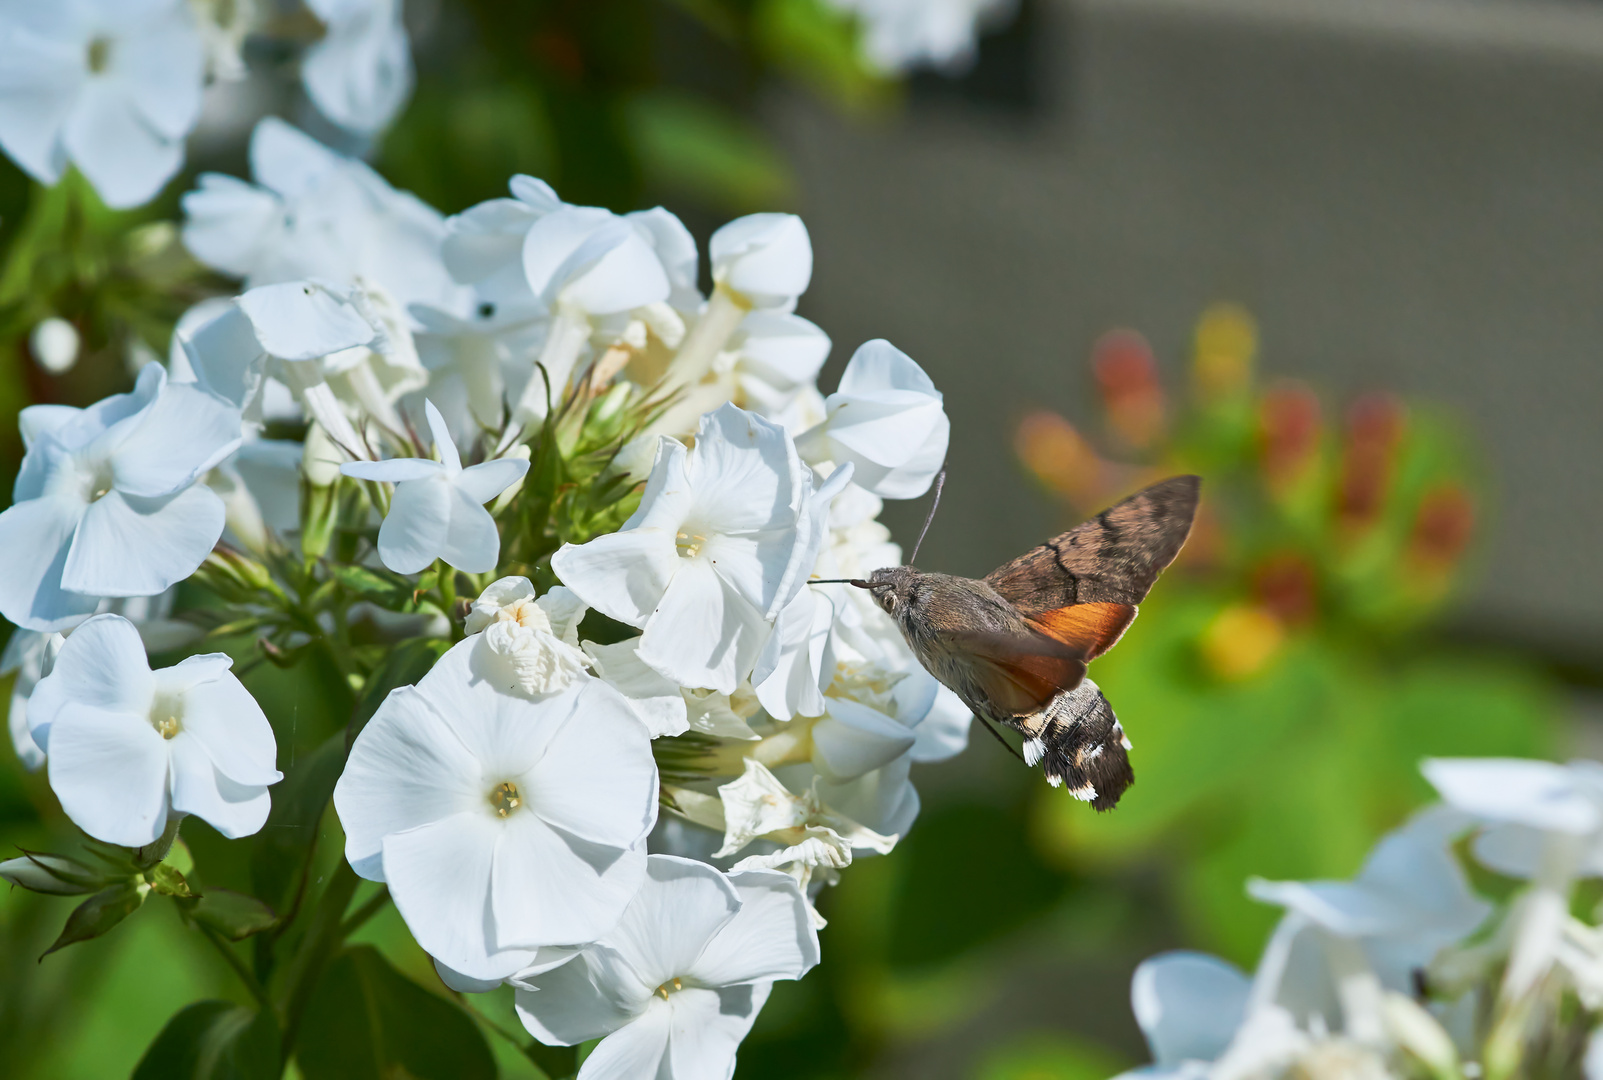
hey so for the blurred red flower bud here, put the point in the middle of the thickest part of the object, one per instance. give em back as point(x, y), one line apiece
point(1375, 426)
point(1289, 427)
point(1128, 377)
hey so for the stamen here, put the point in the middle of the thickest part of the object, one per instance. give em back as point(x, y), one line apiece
point(689, 544)
point(505, 798)
point(168, 727)
point(669, 987)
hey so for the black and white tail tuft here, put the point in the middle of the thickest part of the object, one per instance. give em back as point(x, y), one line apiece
point(1083, 747)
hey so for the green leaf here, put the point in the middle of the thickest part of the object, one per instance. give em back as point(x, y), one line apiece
point(366, 1021)
point(232, 914)
point(166, 880)
point(406, 664)
point(214, 1040)
point(98, 914)
point(707, 151)
point(557, 1062)
point(298, 804)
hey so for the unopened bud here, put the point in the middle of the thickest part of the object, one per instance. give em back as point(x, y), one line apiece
point(54, 875)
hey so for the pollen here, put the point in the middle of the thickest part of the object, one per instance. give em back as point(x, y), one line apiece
point(505, 798)
point(689, 544)
point(168, 727)
point(669, 987)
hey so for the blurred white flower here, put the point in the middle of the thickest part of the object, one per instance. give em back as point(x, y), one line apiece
point(317, 214)
point(223, 26)
point(127, 746)
point(359, 73)
point(437, 511)
point(28, 656)
point(886, 417)
point(675, 987)
point(501, 824)
point(715, 551)
point(1189, 1006)
point(54, 343)
point(106, 502)
point(536, 640)
point(899, 35)
point(108, 86)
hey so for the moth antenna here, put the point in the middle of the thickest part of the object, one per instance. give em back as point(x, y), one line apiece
point(1005, 744)
point(940, 482)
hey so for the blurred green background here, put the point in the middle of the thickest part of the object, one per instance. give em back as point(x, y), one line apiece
point(1394, 558)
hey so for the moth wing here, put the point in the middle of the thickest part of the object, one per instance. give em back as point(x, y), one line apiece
point(1089, 629)
point(1020, 673)
point(1114, 558)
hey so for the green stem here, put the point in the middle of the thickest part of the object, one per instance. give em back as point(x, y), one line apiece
point(256, 989)
point(445, 576)
point(316, 950)
point(372, 907)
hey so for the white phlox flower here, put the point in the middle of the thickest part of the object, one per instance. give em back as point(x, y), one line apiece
point(108, 86)
point(675, 987)
point(28, 657)
point(715, 551)
point(359, 73)
point(772, 357)
point(1545, 823)
point(313, 213)
point(535, 639)
point(128, 746)
point(759, 261)
point(887, 418)
point(106, 502)
point(223, 26)
point(899, 35)
point(260, 489)
point(667, 708)
point(476, 364)
point(501, 824)
point(1190, 1006)
point(437, 511)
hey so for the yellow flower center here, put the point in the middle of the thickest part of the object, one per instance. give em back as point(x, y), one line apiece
point(669, 987)
point(689, 544)
point(505, 798)
point(167, 727)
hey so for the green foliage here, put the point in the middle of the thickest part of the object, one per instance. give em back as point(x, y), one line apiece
point(369, 1021)
point(214, 1040)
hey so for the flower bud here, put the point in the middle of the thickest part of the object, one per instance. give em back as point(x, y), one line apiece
point(54, 875)
point(766, 258)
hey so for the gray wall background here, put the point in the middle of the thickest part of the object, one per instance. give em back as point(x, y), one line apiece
point(1406, 193)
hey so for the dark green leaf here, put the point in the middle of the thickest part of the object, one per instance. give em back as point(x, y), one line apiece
point(298, 803)
point(557, 1062)
point(214, 1040)
point(98, 914)
point(406, 664)
point(366, 1021)
point(233, 915)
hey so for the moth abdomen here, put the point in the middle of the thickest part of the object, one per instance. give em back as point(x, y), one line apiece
point(1080, 745)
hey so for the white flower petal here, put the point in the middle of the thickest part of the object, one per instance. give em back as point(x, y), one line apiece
point(597, 779)
point(360, 73)
point(854, 739)
point(565, 1005)
point(679, 908)
point(394, 470)
point(634, 1051)
point(132, 546)
point(101, 665)
point(772, 936)
point(1535, 793)
point(126, 160)
point(225, 720)
point(564, 610)
point(406, 769)
point(185, 432)
point(472, 542)
point(200, 788)
point(708, 1026)
point(110, 772)
point(415, 530)
point(656, 700)
point(36, 536)
point(622, 575)
point(439, 875)
point(1189, 1005)
point(228, 223)
point(766, 257)
point(39, 82)
point(298, 320)
point(745, 474)
point(703, 633)
point(551, 889)
point(485, 481)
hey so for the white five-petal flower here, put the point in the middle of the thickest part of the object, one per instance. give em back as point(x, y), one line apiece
point(502, 824)
point(111, 86)
point(107, 502)
point(127, 746)
point(438, 511)
point(717, 548)
point(676, 985)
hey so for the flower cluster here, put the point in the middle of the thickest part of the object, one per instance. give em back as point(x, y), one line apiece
point(1406, 970)
point(528, 441)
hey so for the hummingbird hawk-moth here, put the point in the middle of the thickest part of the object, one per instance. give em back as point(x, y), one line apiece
point(1015, 645)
